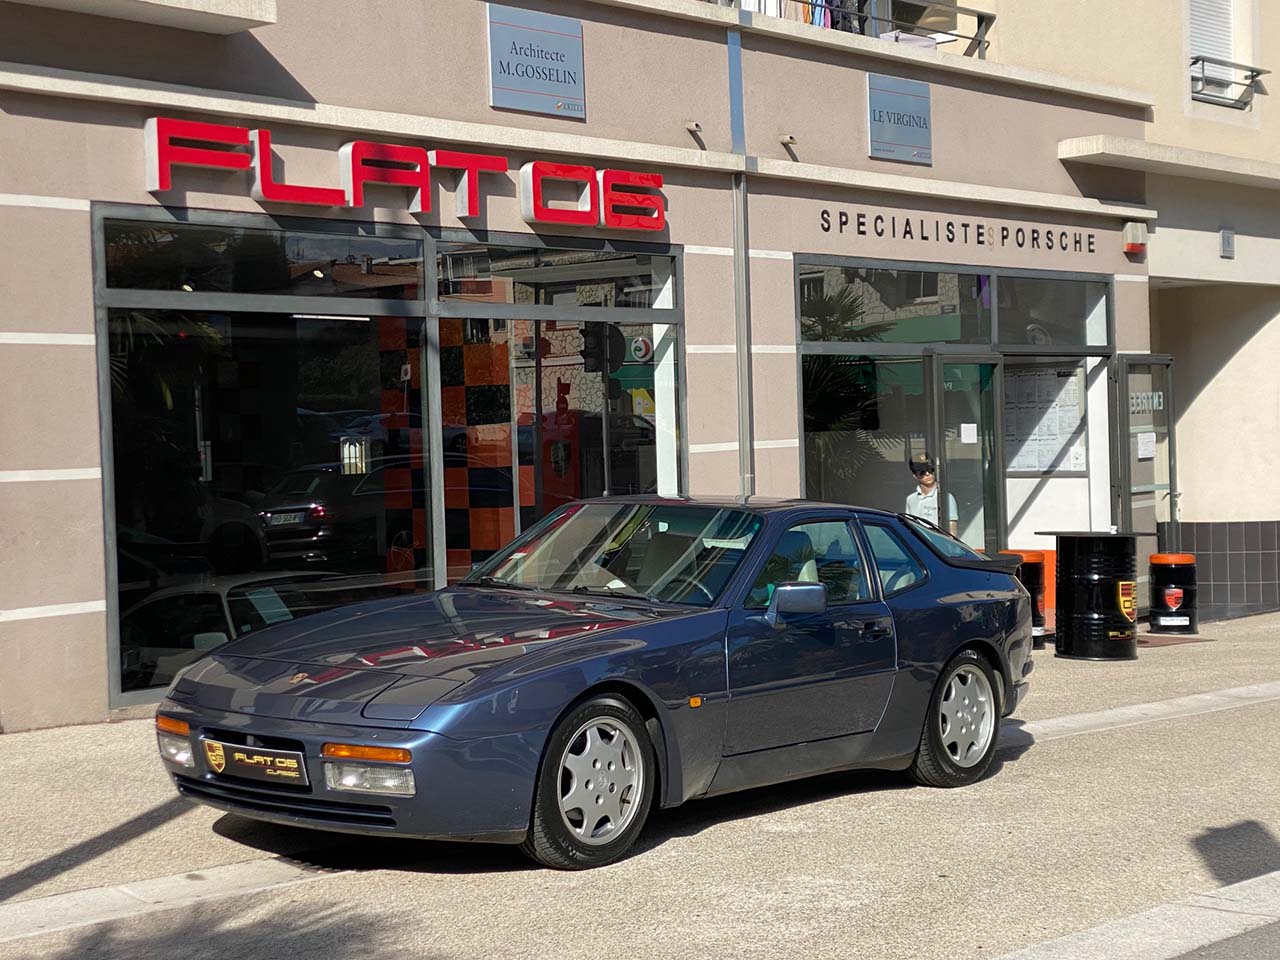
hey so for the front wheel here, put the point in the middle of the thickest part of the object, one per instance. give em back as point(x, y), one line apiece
point(959, 738)
point(595, 787)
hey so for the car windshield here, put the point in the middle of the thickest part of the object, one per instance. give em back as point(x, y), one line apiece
point(945, 544)
point(668, 552)
point(302, 482)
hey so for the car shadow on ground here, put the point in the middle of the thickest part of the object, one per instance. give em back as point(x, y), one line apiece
point(334, 851)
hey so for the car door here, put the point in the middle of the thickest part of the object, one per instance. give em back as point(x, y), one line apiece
point(811, 676)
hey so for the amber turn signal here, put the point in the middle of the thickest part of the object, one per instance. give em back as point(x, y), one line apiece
point(695, 701)
point(353, 751)
point(170, 725)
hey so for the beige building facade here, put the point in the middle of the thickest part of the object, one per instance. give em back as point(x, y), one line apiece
point(221, 410)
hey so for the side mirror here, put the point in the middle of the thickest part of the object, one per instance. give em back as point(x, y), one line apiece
point(795, 598)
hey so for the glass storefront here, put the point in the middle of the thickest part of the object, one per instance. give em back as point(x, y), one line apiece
point(279, 460)
point(991, 385)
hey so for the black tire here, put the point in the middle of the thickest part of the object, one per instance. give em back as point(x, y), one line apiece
point(934, 765)
point(550, 840)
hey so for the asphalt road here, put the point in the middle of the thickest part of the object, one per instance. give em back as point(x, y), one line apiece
point(1081, 829)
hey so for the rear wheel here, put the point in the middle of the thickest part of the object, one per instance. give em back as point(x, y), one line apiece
point(595, 787)
point(959, 738)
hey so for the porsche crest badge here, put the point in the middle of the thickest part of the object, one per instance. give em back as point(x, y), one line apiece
point(1127, 597)
point(214, 754)
point(1173, 597)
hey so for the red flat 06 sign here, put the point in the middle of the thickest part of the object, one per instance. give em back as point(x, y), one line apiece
point(612, 199)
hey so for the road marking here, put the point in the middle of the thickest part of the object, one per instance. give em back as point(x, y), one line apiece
point(1170, 930)
point(82, 908)
point(1071, 725)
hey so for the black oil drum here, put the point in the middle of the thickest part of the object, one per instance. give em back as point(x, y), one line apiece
point(1097, 602)
point(1031, 576)
point(1173, 593)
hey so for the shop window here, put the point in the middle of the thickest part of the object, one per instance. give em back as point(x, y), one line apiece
point(477, 273)
point(266, 466)
point(869, 304)
point(187, 258)
point(538, 413)
point(863, 419)
point(1053, 312)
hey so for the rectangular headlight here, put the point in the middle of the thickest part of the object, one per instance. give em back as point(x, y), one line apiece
point(175, 749)
point(368, 778)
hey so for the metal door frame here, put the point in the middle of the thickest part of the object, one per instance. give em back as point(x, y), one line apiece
point(935, 364)
point(1123, 475)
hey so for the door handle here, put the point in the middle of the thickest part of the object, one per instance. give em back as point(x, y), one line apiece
point(875, 630)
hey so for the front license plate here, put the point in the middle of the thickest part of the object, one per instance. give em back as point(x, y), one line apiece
point(255, 763)
point(280, 519)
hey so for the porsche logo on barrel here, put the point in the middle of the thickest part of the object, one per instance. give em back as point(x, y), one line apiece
point(1173, 597)
point(1127, 596)
point(214, 754)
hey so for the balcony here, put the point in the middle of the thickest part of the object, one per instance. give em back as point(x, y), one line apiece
point(1225, 82)
point(927, 24)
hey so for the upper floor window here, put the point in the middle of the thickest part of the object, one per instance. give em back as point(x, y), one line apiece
point(1218, 71)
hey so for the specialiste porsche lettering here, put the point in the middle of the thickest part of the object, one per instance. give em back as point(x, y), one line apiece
point(964, 232)
point(613, 199)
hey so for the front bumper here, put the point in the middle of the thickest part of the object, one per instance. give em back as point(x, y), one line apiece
point(466, 790)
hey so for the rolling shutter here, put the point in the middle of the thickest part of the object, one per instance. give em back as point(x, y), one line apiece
point(1212, 34)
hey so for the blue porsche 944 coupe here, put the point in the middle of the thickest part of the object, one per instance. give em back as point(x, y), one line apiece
point(622, 653)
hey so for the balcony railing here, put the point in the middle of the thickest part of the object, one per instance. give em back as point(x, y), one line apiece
point(1225, 82)
point(918, 23)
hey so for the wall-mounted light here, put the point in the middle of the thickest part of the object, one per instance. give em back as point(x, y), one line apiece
point(693, 126)
point(787, 140)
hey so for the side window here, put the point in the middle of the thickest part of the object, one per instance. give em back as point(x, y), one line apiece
point(898, 569)
point(822, 552)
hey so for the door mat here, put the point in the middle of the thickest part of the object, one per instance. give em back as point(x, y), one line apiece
point(1170, 639)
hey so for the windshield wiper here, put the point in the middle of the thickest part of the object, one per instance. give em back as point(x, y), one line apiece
point(611, 592)
point(499, 582)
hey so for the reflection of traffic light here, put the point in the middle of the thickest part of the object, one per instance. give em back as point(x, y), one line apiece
point(603, 348)
point(593, 347)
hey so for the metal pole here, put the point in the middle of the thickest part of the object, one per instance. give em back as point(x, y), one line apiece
point(742, 319)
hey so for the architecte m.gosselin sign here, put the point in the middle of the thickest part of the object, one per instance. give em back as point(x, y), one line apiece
point(535, 62)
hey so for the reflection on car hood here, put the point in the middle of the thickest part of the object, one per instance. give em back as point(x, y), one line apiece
point(457, 633)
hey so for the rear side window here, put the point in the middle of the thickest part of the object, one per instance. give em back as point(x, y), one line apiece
point(945, 544)
point(897, 568)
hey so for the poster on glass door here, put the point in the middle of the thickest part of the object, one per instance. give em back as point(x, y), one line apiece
point(1044, 420)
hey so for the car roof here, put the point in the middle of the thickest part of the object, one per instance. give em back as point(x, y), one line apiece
point(754, 504)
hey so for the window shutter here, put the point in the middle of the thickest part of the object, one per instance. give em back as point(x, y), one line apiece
point(1212, 34)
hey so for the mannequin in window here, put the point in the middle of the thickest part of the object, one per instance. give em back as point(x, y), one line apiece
point(923, 500)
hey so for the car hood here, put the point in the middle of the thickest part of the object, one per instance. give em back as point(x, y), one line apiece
point(388, 660)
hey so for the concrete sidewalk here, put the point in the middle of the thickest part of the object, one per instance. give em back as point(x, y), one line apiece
point(1176, 806)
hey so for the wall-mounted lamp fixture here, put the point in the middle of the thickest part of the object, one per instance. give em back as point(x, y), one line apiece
point(787, 140)
point(693, 126)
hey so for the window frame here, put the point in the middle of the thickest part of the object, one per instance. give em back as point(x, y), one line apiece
point(785, 527)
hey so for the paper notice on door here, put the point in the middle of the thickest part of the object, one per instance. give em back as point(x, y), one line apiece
point(1146, 446)
point(968, 433)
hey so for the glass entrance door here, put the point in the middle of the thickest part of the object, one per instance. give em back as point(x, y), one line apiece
point(1149, 483)
point(969, 461)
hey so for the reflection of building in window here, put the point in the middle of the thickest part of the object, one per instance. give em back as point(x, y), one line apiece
point(902, 306)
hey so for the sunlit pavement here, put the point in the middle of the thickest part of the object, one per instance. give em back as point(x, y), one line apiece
point(1070, 832)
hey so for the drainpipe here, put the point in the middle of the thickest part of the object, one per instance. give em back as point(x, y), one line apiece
point(741, 270)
